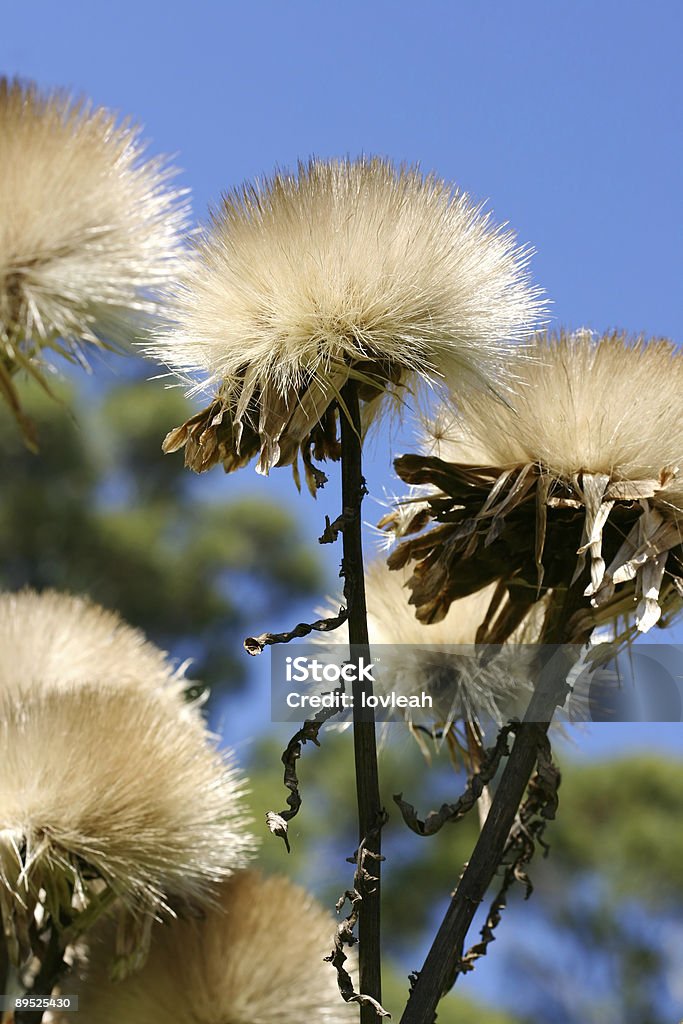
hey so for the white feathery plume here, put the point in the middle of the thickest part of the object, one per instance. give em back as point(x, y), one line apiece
point(416, 658)
point(601, 421)
point(89, 230)
point(346, 269)
point(583, 404)
point(55, 640)
point(107, 793)
point(257, 958)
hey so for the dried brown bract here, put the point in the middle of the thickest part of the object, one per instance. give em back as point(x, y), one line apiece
point(346, 269)
point(578, 475)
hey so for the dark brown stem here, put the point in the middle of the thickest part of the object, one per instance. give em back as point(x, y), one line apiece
point(370, 812)
point(50, 971)
point(4, 967)
point(440, 969)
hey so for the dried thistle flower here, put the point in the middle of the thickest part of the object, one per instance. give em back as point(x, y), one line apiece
point(348, 269)
point(257, 958)
point(592, 441)
point(417, 658)
point(55, 640)
point(109, 794)
point(89, 231)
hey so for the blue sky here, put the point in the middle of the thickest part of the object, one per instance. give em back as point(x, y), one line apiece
point(564, 117)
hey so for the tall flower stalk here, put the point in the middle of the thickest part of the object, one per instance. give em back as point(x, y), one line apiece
point(370, 811)
point(569, 493)
point(315, 299)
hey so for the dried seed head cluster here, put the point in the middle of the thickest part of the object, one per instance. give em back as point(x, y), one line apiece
point(89, 229)
point(594, 437)
point(53, 640)
point(416, 658)
point(346, 269)
point(257, 958)
point(107, 793)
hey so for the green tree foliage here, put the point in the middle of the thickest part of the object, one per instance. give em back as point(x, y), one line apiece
point(589, 947)
point(99, 510)
point(611, 893)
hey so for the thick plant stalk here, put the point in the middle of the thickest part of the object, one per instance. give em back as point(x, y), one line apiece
point(440, 968)
point(365, 749)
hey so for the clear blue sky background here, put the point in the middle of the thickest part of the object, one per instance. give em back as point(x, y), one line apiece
point(565, 117)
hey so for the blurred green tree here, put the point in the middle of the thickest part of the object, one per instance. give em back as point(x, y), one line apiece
point(594, 945)
point(100, 511)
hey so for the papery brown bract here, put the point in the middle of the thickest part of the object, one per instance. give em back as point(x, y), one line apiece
point(346, 269)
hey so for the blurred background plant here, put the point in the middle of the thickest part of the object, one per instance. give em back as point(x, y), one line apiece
point(99, 511)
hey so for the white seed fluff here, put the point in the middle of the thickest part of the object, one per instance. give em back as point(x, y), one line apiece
point(89, 228)
point(305, 276)
point(56, 640)
point(257, 958)
point(100, 784)
point(612, 405)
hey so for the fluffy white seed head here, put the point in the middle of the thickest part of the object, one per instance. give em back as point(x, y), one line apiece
point(55, 640)
point(416, 658)
point(599, 424)
point(345, 267)
point(89, 228)
point(255, 959)
point(612, 405)
point(103, 788)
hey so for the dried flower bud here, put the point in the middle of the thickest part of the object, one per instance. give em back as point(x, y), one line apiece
point(594, 438)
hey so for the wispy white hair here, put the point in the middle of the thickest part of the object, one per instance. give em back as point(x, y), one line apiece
point(611, 405)
point(346, 268)
point(604, 418)
point(110, 793)
point(89, 228)
point(415, 657)
point(54, 640)
point(257, 958)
